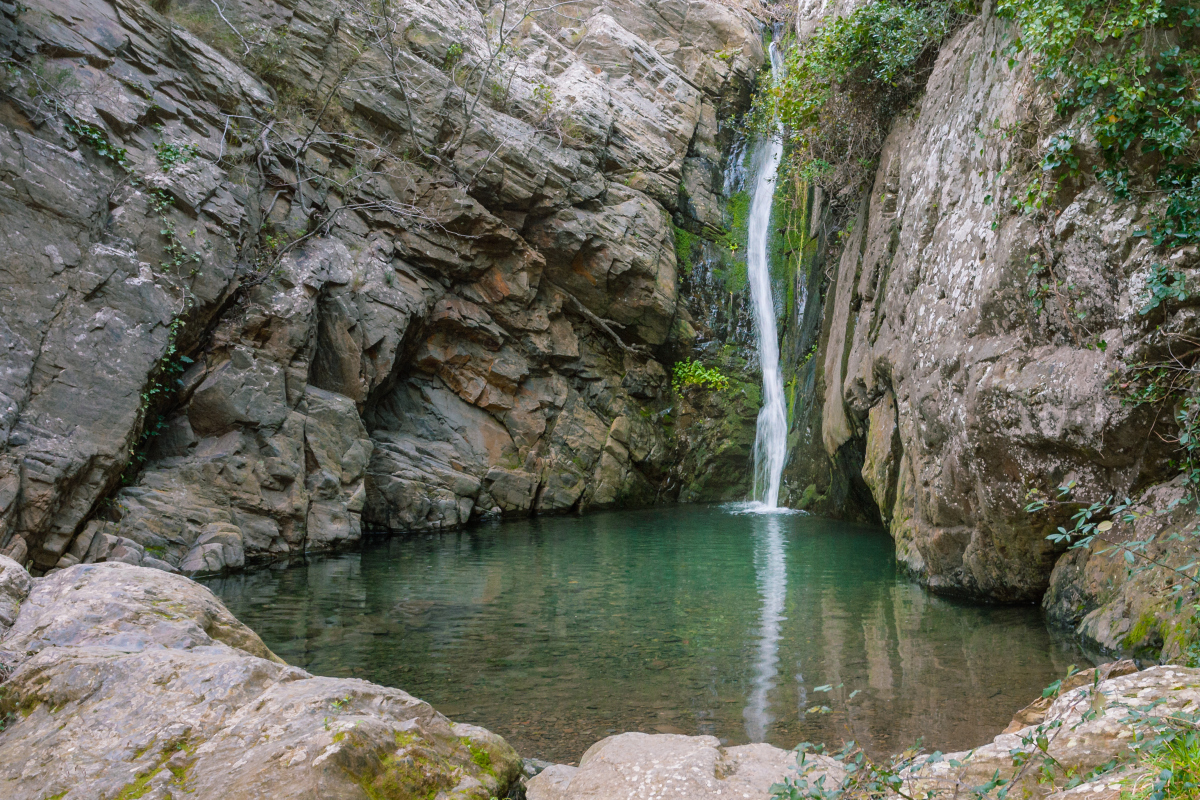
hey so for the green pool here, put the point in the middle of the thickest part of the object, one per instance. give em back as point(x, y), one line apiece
point(688, 619)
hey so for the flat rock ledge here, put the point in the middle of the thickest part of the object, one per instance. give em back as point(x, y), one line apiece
point(1086, 728)
point(672, 767)
point(128, 682)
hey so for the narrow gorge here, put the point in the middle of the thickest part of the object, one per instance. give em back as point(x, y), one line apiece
point(648, 386)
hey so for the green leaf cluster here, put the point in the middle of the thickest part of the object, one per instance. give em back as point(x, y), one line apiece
point(693, 373)
point(171, 153)
point(98, 140)
point(1163, 284)
point(1130, 69)
point(1174, 765)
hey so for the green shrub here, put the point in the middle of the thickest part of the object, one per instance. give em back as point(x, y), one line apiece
point(1169, 748)
point(693, 373)
point(1130, 70)
point(1161, 285)
point(171, 153)
point(843, 86)
point(97, 139)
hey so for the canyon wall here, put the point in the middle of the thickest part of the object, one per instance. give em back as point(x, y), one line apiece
point(284, 271)
point(308, 267)
point(954, 375)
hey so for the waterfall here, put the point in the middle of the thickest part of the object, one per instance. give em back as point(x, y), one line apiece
point(770, 441)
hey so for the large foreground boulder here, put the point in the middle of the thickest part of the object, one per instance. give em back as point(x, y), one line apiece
point(133, 682)
point(671, 767)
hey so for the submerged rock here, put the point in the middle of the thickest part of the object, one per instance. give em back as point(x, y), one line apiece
point(133, 682)
point(670, 766)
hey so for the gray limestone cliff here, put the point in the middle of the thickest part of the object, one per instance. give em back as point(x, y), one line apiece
point(284, 271)
point(942, 391)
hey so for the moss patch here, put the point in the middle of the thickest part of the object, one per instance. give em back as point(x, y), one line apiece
point(403, 776)
point(139, 786)
point(480, 756)
point(685, 245)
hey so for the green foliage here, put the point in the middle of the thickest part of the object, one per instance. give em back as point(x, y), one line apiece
point(685, 244)
point(177, 254)
point(1169, 747)
point(454, 54)
point(737, 212)
point(171, 153)
point(693, 373)
point(863, 779)
point(788, 236)
point(1176, 767)
point(812, 351)
point(543, 99)
point(732, 244)
point(97, 139)
point(1162, 284)
point(164, 380)
point(842, 87)
point(1130, 70)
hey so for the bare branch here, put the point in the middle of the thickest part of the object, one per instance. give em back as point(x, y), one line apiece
point(600, 323)
point(236, 32)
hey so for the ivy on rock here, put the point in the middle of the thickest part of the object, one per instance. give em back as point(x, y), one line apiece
point(1129, 71)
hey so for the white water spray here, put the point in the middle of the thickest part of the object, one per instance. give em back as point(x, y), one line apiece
point(770, 442)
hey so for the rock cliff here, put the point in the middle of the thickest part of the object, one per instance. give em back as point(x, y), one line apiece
point(954, 374)
point(275, 271)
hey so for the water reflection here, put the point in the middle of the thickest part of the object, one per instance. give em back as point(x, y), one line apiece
point(771, 565)
point(556, 632)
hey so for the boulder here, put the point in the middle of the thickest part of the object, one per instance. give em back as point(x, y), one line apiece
point(132, 682)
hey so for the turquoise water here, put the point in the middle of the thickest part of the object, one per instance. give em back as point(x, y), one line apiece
point(689, 619)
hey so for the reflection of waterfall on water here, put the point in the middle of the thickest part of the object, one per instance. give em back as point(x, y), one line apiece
point(770, 563)
point(770, 443)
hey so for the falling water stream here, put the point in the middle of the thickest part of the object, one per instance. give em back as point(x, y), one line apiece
point(770, 442)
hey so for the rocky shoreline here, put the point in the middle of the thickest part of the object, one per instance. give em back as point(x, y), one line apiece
point(124, 681)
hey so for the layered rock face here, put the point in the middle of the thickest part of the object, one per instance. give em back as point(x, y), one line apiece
point(956, 373)
point(155, 690)
point(341, 277)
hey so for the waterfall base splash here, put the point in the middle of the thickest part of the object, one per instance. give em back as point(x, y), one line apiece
point(756, 507)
